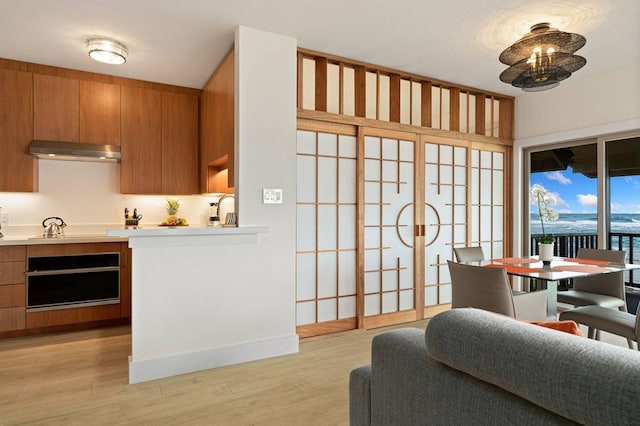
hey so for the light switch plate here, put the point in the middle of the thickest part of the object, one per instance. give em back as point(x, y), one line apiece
point(271, 196)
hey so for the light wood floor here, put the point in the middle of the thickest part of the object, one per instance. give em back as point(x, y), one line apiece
point(81, 378)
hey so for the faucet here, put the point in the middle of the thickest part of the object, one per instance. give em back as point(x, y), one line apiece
point(220, 202)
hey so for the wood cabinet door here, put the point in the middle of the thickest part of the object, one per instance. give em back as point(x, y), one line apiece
point(56, 108)
point(16, 132)
point(141, 141)
point(99, 113)
point(179, 143)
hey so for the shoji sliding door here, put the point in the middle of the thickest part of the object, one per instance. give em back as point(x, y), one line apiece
point(464, 198)
point(388, 243)
point(487, 204)
point(326, 231)
point(446, 189)
point(379, 213)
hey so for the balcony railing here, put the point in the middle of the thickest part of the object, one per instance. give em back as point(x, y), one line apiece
point(567, 245)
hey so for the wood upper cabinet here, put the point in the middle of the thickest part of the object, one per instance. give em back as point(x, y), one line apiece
point(72, 110)
point(99, 113)
point(159, 142)
point(179, 143)
point(217, 129)
point(141, 140)
point(18, 168)
point(56, 108)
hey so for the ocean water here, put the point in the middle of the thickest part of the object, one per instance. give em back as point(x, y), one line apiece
point(586, 223)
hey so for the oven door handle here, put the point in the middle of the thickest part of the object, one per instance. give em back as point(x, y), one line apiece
point(72, 271)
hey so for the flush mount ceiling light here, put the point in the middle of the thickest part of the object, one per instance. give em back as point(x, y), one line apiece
point(107, 51)
point(542, 59)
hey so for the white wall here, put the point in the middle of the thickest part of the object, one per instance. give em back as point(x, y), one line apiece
point(578, 109)
point(266, 158)
point(87, 196)
point(580, 102)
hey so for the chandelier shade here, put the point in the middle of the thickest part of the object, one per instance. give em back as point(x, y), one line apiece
point(542, 59)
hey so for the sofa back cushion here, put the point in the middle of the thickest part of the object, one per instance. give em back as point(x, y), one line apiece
point(583, 380)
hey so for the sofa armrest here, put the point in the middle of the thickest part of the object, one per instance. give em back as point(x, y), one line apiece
point(360, 396)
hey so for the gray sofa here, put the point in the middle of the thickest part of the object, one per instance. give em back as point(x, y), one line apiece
point(473, 367)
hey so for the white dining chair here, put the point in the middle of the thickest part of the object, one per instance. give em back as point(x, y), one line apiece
point(604, 319)
point(489, 289)
point(469, 254)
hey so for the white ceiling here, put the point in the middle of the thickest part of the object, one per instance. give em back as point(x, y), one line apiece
point(181, 41)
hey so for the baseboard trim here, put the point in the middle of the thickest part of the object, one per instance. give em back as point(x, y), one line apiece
point(158, 368)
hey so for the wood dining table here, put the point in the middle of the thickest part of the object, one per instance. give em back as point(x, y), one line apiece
point(559, 268)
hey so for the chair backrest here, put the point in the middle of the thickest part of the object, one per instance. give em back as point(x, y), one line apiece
point(481, 287)
point(607, 284)
point(468, 254)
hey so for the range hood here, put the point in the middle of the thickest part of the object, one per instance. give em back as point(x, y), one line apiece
point(74, 151)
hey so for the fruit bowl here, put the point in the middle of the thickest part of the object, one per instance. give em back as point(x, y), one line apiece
point(174, 221)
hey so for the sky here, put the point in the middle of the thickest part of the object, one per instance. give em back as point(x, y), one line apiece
point(576, 193)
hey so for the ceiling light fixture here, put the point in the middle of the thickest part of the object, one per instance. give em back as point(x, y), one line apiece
point(542, 59)
point(107, 51)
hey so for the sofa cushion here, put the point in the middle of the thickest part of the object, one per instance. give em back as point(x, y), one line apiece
point(566, 326)
point(586, 381)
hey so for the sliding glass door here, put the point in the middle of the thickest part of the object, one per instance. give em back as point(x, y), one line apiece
point(596, 188)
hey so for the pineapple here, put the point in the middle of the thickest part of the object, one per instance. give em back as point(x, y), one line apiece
point(172, 206)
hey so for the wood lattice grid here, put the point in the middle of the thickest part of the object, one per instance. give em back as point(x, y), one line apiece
point(380, 93)
point(449, 174)
point(379, 224)
point(338, 295)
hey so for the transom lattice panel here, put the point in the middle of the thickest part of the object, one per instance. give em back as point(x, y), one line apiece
point(388, 225)
point(349, 88)
point(326, 227)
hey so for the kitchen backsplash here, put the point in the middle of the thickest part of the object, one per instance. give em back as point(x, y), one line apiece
point(87, 196)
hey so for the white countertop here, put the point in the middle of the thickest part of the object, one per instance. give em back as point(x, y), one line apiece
point(123, 234)
point(67, 239)
point(185, 231)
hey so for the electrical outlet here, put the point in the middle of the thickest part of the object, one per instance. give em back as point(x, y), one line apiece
point(4, 219)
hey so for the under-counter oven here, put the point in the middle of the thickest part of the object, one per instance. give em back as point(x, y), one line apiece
point(72, 281)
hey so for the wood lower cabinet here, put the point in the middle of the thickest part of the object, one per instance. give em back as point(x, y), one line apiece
point(15, 320)
point(72, 316)
point(12, 288)
point(19, 168)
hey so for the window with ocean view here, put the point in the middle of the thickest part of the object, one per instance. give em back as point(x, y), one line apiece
point(570, 175)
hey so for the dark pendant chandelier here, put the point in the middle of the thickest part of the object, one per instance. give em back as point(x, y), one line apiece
point(542, 59)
